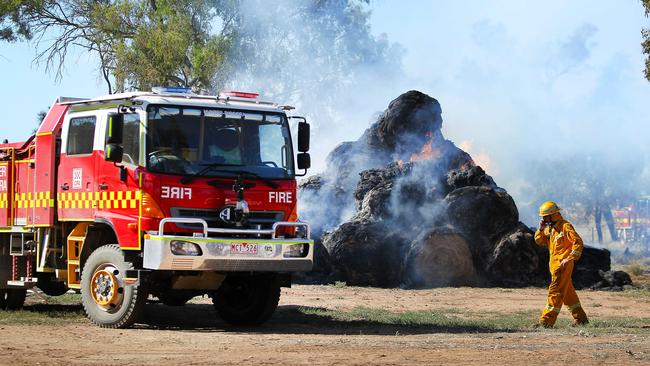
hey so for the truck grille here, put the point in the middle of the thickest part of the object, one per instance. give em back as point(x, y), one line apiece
point(263, 218)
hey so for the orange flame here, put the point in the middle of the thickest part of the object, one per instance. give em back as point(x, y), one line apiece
point(481, 158)
point(427, 152)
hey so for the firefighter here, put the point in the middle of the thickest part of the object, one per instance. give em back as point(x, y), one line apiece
point(225, 147)
point(565, 247)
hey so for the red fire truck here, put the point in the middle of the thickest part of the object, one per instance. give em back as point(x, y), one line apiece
point(166, 194)
point(632, 222)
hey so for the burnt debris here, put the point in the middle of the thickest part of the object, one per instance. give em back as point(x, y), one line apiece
point(403, 206)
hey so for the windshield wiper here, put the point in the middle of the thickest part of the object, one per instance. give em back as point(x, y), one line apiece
point(213, 168)
point(208, 167)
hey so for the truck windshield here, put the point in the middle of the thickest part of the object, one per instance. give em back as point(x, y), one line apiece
point(186, 141)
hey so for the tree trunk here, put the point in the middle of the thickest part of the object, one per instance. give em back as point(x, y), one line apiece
point(609, 219)
point(599, 230)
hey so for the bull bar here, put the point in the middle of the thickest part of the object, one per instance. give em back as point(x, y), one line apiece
point(218, 253)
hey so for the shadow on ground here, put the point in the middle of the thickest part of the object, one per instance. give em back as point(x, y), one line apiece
point(290, 319)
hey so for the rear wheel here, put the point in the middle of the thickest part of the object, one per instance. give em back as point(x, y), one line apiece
point(50, 286)
point(108, 302)
point(246, 300)
point(12, 299)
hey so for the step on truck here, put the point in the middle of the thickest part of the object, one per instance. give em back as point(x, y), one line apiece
point(164, 194)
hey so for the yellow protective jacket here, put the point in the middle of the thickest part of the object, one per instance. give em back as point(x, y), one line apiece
point(563, 242)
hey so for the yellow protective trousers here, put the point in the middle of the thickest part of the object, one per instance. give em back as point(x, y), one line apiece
point(561, 291)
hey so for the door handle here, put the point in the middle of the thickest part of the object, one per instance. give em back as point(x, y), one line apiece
point(65, 186)
point(103, 186)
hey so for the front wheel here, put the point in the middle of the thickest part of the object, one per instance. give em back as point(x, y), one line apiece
point(246, 300)
point(108, 302)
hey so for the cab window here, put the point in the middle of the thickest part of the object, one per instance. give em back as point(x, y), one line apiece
point(81, 135)
point(131, 139)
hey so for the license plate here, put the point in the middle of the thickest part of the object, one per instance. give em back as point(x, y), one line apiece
point(243, 248)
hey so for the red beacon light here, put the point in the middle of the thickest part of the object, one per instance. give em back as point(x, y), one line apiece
point(238, 94)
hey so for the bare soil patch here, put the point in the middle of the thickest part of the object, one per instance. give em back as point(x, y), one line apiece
point(324, 325)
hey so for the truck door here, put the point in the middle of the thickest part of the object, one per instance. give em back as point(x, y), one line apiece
point(118, 200)
point(76, 172)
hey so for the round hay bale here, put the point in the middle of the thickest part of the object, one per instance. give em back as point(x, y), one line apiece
point(439, 257)
point(365, 253)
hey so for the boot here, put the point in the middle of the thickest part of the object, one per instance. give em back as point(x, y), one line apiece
point(580, 322)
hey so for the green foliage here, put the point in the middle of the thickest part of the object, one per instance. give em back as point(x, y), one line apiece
point(646, 40)
point(646, 50)
point(14, 19)
point(138, 43)
point(171, 45)
point(285, 48)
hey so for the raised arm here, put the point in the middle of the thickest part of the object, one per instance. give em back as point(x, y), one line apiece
point(541, 238)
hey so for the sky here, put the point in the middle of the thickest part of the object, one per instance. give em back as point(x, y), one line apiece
point(518, 81)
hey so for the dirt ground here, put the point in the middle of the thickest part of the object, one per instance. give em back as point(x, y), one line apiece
point(193, 334)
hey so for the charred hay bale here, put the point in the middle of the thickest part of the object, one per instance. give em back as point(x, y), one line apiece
point(586, 272)
point(365, 253)
point(375, 204)
point(438, 257)
point(472, 176)
point(516, 260)
point(405, 124)
point(612, 281)
point(452, 157)
point(482, 214)
point(385, 176)
point(374, 190)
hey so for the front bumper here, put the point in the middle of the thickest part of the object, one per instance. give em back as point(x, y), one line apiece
point(225, 254)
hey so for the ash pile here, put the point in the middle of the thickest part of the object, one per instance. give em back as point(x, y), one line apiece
point(404, 207)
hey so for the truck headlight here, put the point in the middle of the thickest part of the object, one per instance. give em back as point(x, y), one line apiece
point(182, 247)
point(296, 250)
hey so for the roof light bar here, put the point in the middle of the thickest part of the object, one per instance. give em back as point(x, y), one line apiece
point(238, 94)
point(170, 90)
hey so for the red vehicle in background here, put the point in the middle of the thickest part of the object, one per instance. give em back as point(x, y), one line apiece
point(633, 222)
point(163, 193)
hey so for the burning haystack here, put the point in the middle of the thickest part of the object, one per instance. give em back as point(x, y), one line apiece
point(403, 206)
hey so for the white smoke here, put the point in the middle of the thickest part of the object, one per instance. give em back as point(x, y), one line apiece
point(528, 93)
point(321, 57)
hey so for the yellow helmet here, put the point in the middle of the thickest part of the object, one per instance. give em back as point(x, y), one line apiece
point(548, 208)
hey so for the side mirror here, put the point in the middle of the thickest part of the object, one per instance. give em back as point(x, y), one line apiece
point(115, 129)
point(113, 153)
point(303, 137)
point(304, 161)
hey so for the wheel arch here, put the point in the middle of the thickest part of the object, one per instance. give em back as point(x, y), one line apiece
point(100, 233)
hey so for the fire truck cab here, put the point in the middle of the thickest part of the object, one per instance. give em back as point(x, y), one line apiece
point(164, 194)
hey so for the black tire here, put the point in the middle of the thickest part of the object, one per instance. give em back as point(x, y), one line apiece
point(246, 300)
point(12, 299)
point(176, 297)
point(52, 288)
point(107, 301)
